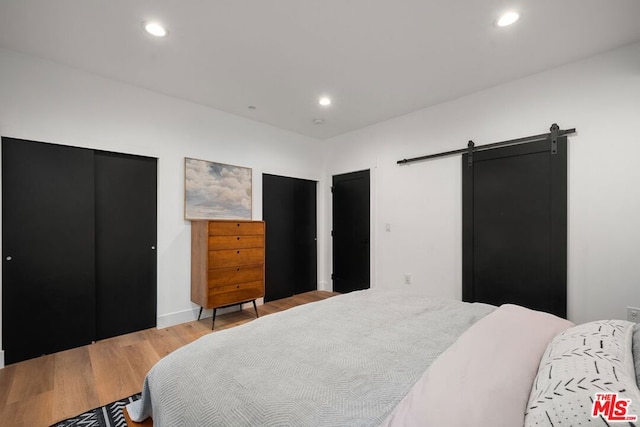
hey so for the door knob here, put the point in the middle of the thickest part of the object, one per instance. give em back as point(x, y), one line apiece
point(9, 258)
point(153, 248)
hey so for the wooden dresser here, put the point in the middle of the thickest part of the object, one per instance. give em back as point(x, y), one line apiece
point(227, 263)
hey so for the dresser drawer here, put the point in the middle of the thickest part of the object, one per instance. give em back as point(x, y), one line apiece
point(235, 257)
point(236, 242)
point(233, 228)
point(233, 275)
point(234, 294)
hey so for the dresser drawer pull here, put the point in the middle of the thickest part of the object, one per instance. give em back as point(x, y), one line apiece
point(237, 252)
point(238, 238)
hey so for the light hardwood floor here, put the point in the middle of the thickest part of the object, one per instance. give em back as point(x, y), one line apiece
point(48, 389)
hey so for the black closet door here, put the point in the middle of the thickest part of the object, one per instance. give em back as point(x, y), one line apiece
point(351, 231)
point(125, 243)
point(515, 227)
point(289, 212)
point(48, 301)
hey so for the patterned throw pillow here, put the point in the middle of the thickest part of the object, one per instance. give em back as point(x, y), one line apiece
point(579, 363)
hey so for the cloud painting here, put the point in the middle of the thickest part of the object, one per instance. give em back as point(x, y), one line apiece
point(216, 191)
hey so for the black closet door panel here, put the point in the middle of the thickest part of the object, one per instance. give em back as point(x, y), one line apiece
point(305, 241)
point(289, 212)
point(278, 212)
point(125, 243)
point(351, 231)
point(47, 222)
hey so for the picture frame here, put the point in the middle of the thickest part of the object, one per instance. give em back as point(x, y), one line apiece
point(216, 190)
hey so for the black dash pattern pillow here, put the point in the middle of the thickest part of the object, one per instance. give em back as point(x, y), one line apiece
point(586, 359)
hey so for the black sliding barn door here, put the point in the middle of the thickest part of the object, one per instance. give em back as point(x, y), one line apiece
point(289, 212)
point(125, 243)
point(515, 226)
point(48, 282)
point(351, 231)
point(78, 230)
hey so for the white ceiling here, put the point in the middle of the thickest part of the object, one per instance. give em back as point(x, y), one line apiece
point(377, 59)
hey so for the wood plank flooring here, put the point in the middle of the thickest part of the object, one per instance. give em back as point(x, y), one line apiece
point(48, 389)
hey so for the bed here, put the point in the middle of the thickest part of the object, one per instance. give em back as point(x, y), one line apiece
point(382, 357)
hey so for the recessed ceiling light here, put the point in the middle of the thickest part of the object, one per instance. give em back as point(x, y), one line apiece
point(324, 101)
point(155, 29)
point(507, 19)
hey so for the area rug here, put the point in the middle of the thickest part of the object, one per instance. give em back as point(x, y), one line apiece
point(104, 416)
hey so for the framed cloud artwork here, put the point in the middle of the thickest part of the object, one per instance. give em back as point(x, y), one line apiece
point(216, 191)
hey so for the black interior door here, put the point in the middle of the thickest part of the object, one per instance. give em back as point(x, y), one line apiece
point(125, 243)
point(515, 226)
point(48, 301)
point(289, 212)
point(351, 231)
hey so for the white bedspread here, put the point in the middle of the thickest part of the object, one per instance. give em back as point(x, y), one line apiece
point(344, 361)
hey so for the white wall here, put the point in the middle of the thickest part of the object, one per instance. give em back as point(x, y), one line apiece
point(599, 96)
point(43, 101)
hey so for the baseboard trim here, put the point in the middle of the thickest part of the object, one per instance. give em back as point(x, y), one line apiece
point(1, 359)
point(190, 315)
point(177, 318)
point(324, 286)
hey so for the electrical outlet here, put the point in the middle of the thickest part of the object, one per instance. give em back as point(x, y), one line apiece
point(633, 314)
point(407, 279)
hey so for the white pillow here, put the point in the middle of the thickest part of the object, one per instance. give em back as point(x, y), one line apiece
point(485, 377)
point(584, 360)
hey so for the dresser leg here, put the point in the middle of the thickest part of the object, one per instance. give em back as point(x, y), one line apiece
point(255, 308)
point(200, 314)
point(213, 320)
